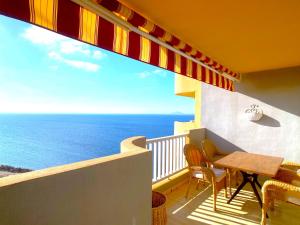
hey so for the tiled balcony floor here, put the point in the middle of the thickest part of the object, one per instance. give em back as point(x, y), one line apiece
point(243, 210)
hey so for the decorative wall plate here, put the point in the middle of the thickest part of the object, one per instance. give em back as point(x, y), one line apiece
point(254, 113)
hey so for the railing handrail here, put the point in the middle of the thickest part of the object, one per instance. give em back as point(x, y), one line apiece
point(165, 138)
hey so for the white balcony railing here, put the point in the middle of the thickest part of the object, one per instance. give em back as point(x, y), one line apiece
point(167, 155)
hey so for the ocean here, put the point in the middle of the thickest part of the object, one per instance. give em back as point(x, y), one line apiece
point(37, 141)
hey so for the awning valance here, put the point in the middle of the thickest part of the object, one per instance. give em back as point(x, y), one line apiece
point(72, 20)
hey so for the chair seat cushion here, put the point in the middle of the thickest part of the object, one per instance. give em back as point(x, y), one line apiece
point(198, 174)
point(220, 174)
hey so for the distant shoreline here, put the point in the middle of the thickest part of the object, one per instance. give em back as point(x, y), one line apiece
point(6, 170)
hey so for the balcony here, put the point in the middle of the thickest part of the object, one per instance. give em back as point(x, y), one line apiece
point(115, 190)
point(64, 186)
point(170, 177)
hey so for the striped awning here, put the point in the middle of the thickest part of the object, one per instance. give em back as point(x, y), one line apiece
point(72, 20)
point(139, 21)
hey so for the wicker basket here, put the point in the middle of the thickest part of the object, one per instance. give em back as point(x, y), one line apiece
point(159, 212)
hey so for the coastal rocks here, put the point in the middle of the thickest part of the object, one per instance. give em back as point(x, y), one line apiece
point(10, 170)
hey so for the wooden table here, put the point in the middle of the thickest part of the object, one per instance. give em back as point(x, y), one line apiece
point(251, 165)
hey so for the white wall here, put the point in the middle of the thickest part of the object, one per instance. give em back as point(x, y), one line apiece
point(277, 92)
point(114, 190)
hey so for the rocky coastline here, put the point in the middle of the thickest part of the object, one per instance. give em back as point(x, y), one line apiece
point(6, 170)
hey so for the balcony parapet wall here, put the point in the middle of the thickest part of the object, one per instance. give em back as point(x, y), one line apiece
point(110, 190)
point(137, 143)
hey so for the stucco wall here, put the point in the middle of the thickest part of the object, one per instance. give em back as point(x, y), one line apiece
point(277, 92)
point(114, 190)
point(188, 87)
point(196, 136)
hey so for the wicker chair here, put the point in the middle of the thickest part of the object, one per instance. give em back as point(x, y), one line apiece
point(284, 187)
point(199, 170)
point(212, 154)
point(291, 166)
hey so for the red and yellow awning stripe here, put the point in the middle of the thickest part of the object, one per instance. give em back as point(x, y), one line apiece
point(142, 23)
point(72, 20)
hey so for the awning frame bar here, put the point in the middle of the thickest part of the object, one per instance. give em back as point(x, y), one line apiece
point(111, 17)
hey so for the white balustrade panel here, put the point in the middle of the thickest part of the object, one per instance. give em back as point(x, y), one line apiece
point(167, 155)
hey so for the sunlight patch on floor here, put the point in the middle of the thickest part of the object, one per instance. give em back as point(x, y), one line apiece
point(243, 210)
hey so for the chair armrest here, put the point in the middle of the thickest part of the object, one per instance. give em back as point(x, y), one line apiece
point(279, 188)
point(291, 165)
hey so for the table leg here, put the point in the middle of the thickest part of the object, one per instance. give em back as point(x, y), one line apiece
point(256, 181)
point(252, 179)
point(255, 192)
point(245, 181)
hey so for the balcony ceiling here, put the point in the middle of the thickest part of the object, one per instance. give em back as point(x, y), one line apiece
point(246, 36)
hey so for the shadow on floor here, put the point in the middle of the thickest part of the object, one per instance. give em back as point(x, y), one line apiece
point(243, 210)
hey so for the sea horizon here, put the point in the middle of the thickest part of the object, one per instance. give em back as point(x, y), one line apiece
point(41, 140)
point(76, 113)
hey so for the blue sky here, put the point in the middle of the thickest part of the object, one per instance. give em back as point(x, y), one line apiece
point(43, 72)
